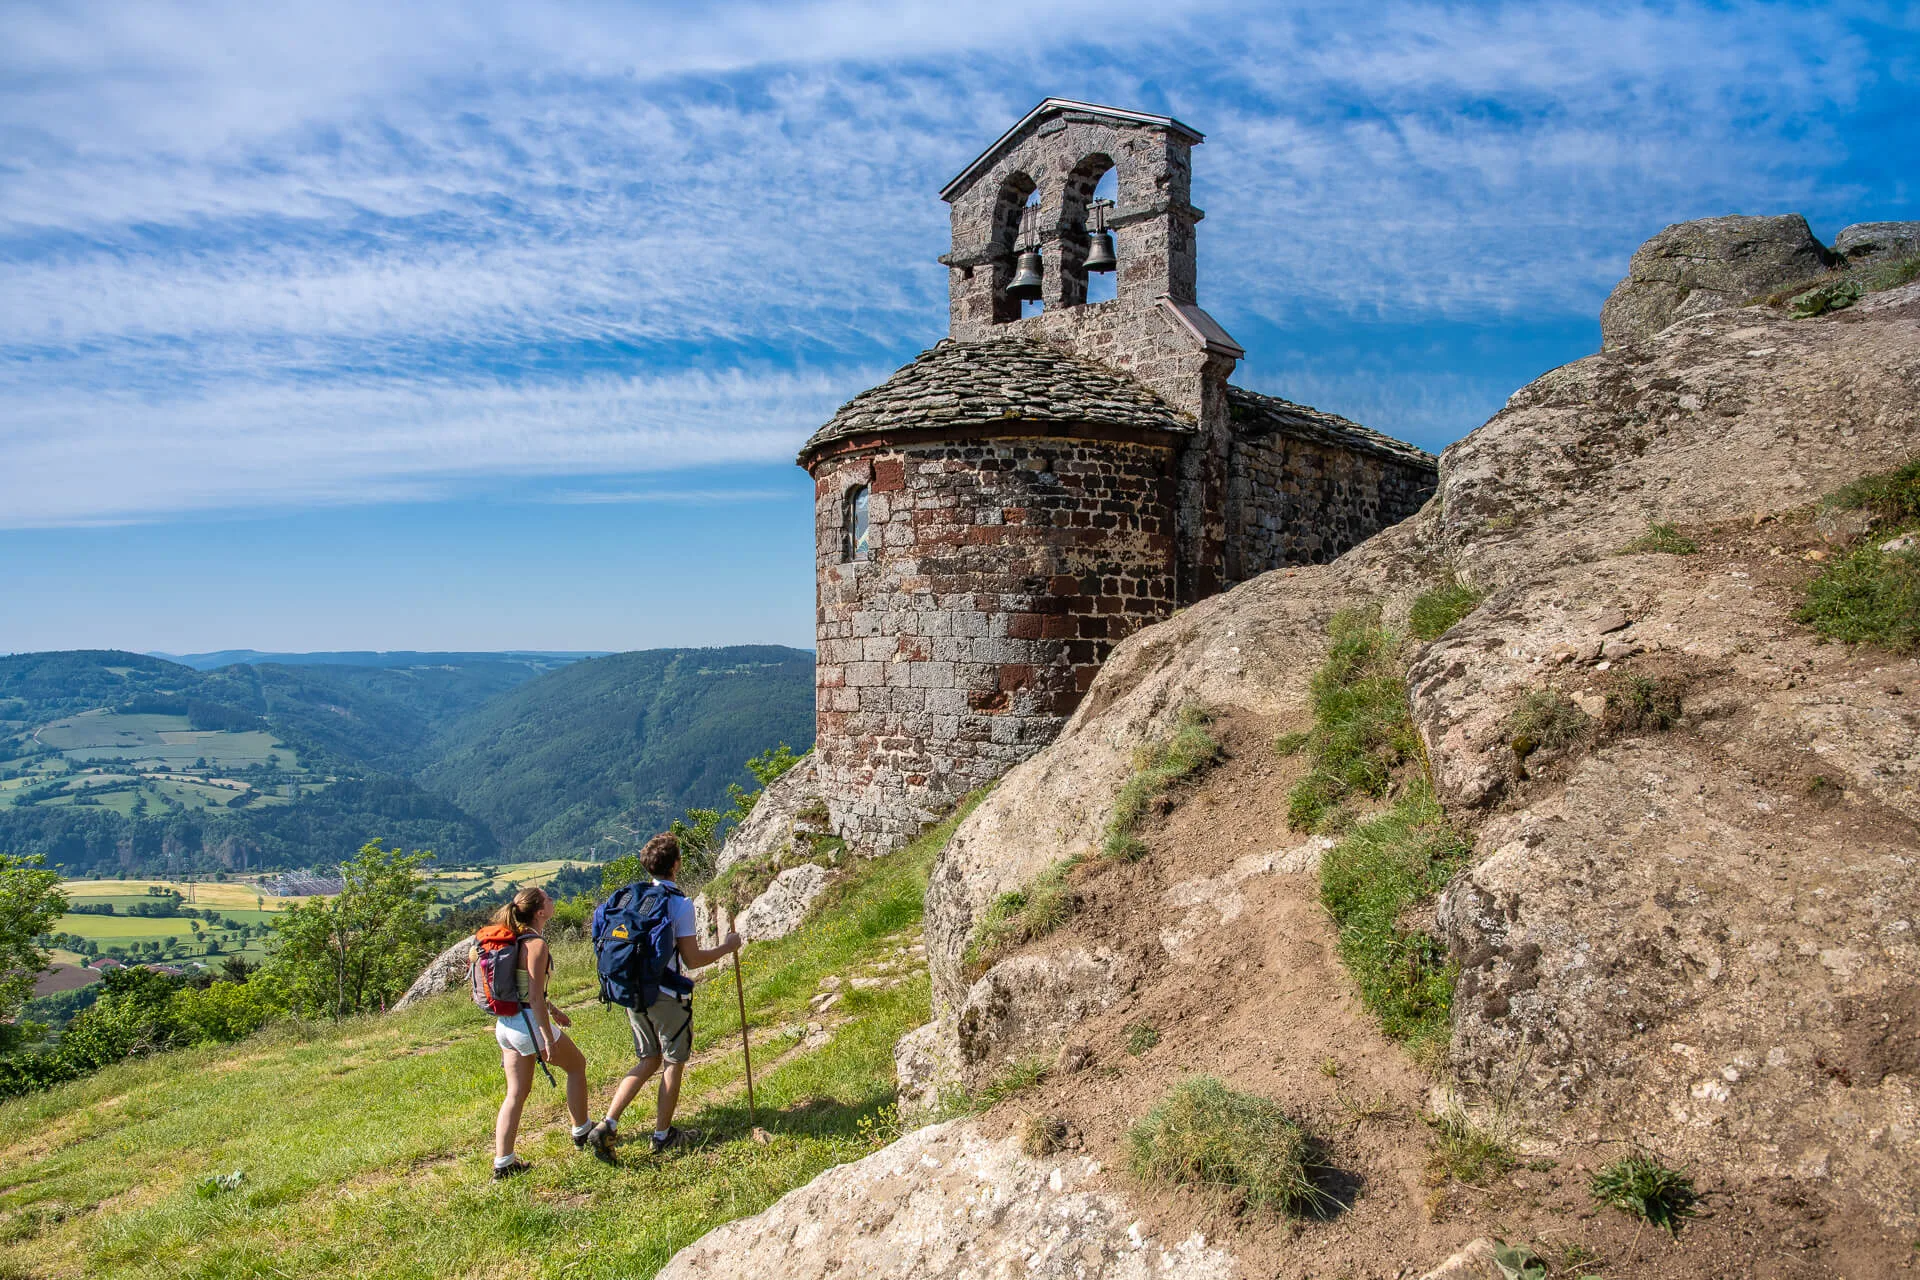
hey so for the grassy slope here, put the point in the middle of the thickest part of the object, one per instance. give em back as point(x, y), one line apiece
point(365, 1146)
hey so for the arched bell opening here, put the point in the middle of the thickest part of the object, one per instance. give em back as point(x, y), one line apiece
point(1088, 261)
point(1011, 222)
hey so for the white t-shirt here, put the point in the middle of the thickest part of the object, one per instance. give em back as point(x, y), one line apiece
point(680, 912)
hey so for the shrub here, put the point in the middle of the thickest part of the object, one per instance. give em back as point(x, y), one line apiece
point(1205, 1134)
point(1362, 727)
point(1638, 704)
point(1641, 1186)
point(1434, 612)
point(1547, 720)
point(1377, 871)
point(1664, 539)
point(1156, 768)
point(1141, 1036)
point(1017, 918)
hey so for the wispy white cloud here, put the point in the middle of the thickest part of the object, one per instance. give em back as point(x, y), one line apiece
point(673, 497)
point(266, 257)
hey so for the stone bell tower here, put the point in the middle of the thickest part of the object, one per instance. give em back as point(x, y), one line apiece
point(1154, 330)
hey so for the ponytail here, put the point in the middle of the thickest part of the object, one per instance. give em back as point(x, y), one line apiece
point(517, 912)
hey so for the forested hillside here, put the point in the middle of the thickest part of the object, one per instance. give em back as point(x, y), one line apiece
point(633, 737)
point(126, 763)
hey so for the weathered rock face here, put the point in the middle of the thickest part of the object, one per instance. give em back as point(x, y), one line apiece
point(1026, 1004)
point(447, 971)
point(1872, 242)
point(1663, 936)
point(948, 1202)
point(768, 832)
point(779, 910)
point(1696, 267)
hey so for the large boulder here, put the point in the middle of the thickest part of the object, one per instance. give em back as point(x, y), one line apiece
point(948, 1203)
point(1876, 242)
point(445, 972)
point(784, 808)
point(1709, 265)
point(779, 910)
point(1026, 1005)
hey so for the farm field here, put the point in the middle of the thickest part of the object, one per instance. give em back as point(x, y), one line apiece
point(469, 885)
point(158, 739)
point(219, 894)
point(132, 936)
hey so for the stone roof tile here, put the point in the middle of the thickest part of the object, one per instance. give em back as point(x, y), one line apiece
point(1257, 414)
point(988, 382)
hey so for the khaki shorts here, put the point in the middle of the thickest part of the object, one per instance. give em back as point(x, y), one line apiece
point(663, 1029)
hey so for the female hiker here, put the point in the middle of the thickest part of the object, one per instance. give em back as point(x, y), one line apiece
point(520, 1052)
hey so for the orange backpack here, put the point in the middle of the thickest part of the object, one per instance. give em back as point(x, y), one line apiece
point(492, 962)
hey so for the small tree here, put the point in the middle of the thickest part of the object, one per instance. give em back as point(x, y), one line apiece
point(30, 903)
point(362, 947)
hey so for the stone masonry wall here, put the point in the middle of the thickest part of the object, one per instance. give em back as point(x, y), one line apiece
point(1002, 573)
point(1292, 501)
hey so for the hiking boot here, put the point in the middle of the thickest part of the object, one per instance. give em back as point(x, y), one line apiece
point(599, 1140)
point(501, 1172)
point(676, 1137)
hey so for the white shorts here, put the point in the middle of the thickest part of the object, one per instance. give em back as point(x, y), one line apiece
point(513, 1037)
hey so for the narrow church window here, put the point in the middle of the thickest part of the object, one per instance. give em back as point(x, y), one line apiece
point(854, 542)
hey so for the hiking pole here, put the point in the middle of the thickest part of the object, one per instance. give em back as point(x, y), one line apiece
point(538, 1057)
point(746, 1049)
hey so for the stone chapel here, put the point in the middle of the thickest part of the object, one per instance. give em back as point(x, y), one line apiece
point(995, 517)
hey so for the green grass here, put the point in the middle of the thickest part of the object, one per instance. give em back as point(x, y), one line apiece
point(1156, 768)
point(1870, 596)
point(1434, 612)
point(1362, 727)
point(1025, 915)
point(1141, 1036)
point(1206, 1135)
point(1640, 1186)
point(1663, 539)
point(1464, 1151)
point(1379, 869)
point(365, 1145)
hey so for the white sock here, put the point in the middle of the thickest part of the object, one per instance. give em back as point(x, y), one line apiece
point(580, 1130)
point(613, 1126)
point(501, 1162)
point(661, 1134)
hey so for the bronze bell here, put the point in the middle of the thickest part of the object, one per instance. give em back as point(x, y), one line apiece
point(1100, 256)
point(1026, 283)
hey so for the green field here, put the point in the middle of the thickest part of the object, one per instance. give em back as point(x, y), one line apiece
point(364, 1146)
point(160, 740)
point(239, 902)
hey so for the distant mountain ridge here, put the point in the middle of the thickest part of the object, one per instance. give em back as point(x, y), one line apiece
point(540, 659)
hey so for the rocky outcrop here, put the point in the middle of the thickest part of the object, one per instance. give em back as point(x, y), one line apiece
point(779, 910)
point(1875, 242)
point(768, 831)
point(1663, 935)
point(948, 1202)
point(445, 972)
point(1695, 267)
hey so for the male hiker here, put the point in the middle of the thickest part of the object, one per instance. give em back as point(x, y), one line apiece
point(663, 1024)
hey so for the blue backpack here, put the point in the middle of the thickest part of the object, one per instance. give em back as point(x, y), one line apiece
point(633, 944)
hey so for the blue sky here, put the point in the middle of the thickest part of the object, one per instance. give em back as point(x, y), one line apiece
point(473, 326)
